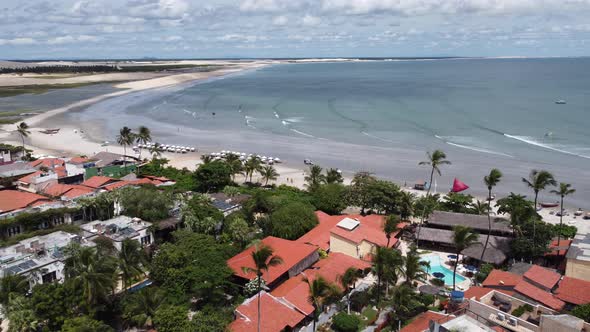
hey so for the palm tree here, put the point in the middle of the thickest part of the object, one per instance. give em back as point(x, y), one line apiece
point(140, 308)
point(206, 158)
point(252, 165)
point(491, 180)
point(462, 238)
point(406, 204)
point(348, 280)
point(564, 190)
point(155, 150)
point(23, 130)
point(263, 259)
point(91, 271)
point(334, 175)
point(435, 160)
point(12, 283)
point(235, 164)
point(131, 260)
point(414, 268)
point(537, 181)
point(125, 138)
point(268, 173)
point(319, 291)
point(404, 301)
point(390, 226)
point(315, 177)
point(143, 136)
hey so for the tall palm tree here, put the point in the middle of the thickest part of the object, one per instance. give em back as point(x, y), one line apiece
point(491, 180)
point(414, 268)
point(235, 164)
point(406, 204)
point(434, 160)
point(314, 177)
point(268, 173)
point(565, 189)
point(131, 260)
point(92, 272)
point(463, 237)
point(537, 181)
point(144, 136)
point(155, 150)
point(334, 175)
point(403, 301)
point(206, 158)
point(263, 259)
point(348, 280)
point(319, 291)
point(140, 308)
point(252, 165)
point(390, 226)
point(125, 138)
point(23, 130)
point(12, 283)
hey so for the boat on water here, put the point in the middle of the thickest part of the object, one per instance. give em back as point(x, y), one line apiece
point(560, 102)
point(50, 131)
point(549, 204)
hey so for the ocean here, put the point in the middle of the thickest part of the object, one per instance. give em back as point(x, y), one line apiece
point(382, 117)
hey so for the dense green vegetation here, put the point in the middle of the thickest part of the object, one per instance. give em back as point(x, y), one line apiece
point(9, 91)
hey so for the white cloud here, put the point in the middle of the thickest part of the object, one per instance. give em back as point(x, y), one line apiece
point(173, 38)
point(310, 20)
point(242, 38)
point(17, 41)
point(68, 39)
point(280, 20)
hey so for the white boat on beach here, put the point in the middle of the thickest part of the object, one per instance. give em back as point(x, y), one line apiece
point(560, 102)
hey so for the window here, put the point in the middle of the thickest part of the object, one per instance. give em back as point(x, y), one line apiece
point(12, 231)
point(146, 240)
point(49, 277)
point(58, 220)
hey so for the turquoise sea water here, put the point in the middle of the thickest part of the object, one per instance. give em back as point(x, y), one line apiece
point(382, 117)
point(435, 266)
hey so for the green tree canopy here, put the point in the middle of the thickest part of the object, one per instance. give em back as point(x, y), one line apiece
point(54, 303)
point(172, 319)
point(582, 311)
point(457, 202)
point(330, 198)
point(213, 176)
point(343, 322)
point(85, 324)
point(292, 221)
point(147, 203)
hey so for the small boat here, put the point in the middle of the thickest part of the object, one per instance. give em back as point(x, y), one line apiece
point(549, 205)
point(308, 162)
point(579, 212)
point(560, 102)
point(587, 216)
point(50, 131)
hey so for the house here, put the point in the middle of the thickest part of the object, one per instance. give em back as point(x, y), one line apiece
point(479, 223)
point(535, 294)
point(119, 229)
point(296, 258)
point(542, 277)
point(99, 182)
point(278, 315)
point(66, 173)
point(11, 171)
point(573, 291)
point(68, 191)
point(110, 164)
point(354, 235)
point(226, 204)
point(578, 258)
point(502, 280)
point(496, 252)
point(36, 182)
point(461, 323)
point(12, 201)
point(40, 258)
point(422, 322)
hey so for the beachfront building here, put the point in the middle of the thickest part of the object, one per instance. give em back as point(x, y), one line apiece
point(226, 204)
point(578, 258)
point(296, 258)
point(10, 172)
point(67, 173)
point(119, 229)
point(40, 258)
point(354, 235)
point(110, 164)
point(279, 315)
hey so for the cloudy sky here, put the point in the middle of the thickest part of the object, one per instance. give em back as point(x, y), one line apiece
point(37, 29)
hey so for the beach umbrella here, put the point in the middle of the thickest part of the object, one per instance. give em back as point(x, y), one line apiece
point(459, 186)
point(452, 256)
point(470, 268)
point(438, 275)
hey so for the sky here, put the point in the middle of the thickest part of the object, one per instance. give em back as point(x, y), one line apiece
point(116, 29)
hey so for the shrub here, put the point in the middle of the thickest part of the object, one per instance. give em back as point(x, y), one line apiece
point(344, 322)
point(582, 311)
point(292, 221)
point(437, 282)
point(426, 299)
point(483, 273)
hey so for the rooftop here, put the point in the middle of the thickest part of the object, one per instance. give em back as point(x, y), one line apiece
point(545, 298)
point(104, 158)
point(476, 222)
point(98, 181)
point(421, 322)
point(478, 292)
point(319, 236)
point(291, 252)
point(48, 162)
point(11, 200)
point(15, 169)
point(560, 250)
point(580, 248)
point(69, 191)
point(499, 278)
point(542, 276)
point(277, 314)
point(368, 228)
point(573, 291)
point(117, 229)
point(466, 323)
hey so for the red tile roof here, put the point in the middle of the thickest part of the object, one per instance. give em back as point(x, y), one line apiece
point(422, 321)
point(291, 252)
point(539, 295)
point(11, 200)
point(98, 181)
point(77, 192)
point(320, 235)
point(61, 171)
point(29, 178)
point(124, 183)
point(70, 191)
point(48, 162)
point(296, 291)
point(553, 249)
point(275, 315)
point(572, 290)
point(78, 160)
point(499, 278)
point(477, 292)
point(543, 277)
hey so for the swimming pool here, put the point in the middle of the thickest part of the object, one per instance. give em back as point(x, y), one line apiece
point(436, 266)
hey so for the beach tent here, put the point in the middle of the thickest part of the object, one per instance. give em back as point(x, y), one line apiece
point(459, 186)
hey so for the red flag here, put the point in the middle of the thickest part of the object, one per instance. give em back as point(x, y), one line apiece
point(459, 186)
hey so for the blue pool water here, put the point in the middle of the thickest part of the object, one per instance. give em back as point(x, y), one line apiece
point(435, 266)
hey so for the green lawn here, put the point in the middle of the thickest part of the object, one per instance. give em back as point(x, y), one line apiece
point(9, 91)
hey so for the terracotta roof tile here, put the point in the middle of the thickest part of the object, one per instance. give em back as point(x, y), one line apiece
point(320, 235)
point(276, 315)
point(98, 181)
point(572, 290)
point(543, 277)
point(553, 251)
point(291, 252)
point(11, 200)
point(48, 162)
point(78, 160)
point(29, 178)
point(477, 292)
point(499, 278)
point(545, 298)
point(421, 322)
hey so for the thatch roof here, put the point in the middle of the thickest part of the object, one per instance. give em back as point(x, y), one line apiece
point(476, 222)
point(429, 289)
point(496, 252)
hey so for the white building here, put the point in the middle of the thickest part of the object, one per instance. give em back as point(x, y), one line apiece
point(119, 229)
point(40, 258)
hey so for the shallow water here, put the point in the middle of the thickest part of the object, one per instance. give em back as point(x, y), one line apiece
point(383, 116)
